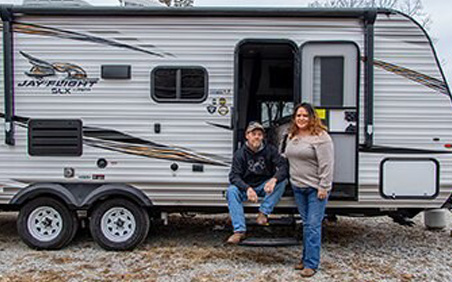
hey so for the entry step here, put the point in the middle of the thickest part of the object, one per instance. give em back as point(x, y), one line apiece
point(270, 242)
point(282, 221)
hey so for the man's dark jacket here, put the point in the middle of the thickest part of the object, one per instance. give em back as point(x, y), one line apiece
point(254, 168)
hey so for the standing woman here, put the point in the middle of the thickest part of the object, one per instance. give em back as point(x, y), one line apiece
point(309, 150)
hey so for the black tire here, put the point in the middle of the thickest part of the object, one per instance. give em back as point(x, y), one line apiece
point(134, 233)
point(29, 230)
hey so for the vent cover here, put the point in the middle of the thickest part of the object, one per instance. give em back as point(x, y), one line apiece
point(116, 71)
point(55, 137)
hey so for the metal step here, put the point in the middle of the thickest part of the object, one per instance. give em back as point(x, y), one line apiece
point(270, 242)
point(283, 221)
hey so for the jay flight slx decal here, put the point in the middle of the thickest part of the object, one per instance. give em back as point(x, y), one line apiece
point(59, 78)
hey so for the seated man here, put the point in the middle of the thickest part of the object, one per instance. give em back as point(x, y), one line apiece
point(257, 170)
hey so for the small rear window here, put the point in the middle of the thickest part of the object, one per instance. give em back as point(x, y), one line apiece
point(329, 81)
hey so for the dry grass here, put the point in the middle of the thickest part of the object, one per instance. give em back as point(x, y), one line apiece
point(42, 276)
point(192, 249)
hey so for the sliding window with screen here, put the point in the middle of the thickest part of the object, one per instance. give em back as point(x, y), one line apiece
point(179, 84)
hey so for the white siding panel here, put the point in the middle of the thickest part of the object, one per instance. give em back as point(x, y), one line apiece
point(406, 113)
point(126, 105)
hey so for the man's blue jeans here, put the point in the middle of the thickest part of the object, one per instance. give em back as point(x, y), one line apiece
point(236, 197)
point(312, 212)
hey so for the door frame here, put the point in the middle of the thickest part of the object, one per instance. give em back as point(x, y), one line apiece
point(296, 78)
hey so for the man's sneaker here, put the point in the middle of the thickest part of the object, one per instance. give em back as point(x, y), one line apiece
point(262, 219)
point(236, 238)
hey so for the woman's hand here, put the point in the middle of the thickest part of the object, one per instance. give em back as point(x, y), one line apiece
point(322, 193)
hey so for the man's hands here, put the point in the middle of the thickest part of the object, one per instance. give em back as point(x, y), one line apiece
point(322, 194)
point(268, 188)
point(270, 185)
point(251, 194)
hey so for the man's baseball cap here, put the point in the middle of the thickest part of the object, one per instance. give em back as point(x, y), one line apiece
point(253, 126)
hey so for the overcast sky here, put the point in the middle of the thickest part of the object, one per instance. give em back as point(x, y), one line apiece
point(439, 10)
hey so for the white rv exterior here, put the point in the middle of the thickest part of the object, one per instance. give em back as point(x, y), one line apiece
point(406, 165)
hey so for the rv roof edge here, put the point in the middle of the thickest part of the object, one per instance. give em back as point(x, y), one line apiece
point(196, 11)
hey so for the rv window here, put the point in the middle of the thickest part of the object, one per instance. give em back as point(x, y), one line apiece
point(192, 84)
point(179, 84)
point(328, 88)
point(165, 84)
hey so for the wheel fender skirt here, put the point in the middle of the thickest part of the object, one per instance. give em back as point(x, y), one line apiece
point(121, 190)
point(37, 190)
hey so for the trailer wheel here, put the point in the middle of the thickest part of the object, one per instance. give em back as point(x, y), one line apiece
point(46, 223)
point(119, 225)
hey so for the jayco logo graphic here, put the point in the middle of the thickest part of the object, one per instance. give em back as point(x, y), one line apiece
point(75, 81)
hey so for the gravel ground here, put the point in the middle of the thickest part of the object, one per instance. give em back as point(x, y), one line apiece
point(192, 249)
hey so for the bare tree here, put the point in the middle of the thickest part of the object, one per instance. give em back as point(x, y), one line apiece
point(338, 3)
point(178, 3)
point(413, 8)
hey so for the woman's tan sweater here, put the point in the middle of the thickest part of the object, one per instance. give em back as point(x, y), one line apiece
point(311, 161)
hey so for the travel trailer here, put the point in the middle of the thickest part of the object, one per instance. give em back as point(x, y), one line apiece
point(122, 115)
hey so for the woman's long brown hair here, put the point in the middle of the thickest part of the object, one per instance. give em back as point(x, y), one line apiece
point(315, 125)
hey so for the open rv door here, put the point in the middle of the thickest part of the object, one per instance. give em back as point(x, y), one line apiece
point(266, 86)
point(330, 82)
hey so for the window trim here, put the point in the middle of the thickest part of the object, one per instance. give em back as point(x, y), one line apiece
point(178, 98)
